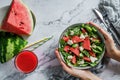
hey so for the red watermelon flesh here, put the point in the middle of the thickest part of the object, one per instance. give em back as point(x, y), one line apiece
point(19, 19)
point(86, 43)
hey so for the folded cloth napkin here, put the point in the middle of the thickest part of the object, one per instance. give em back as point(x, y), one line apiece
point(112, 7)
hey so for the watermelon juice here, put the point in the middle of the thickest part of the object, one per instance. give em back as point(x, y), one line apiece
point(26, 61)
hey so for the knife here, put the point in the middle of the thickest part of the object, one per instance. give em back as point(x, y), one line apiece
point(98, 13)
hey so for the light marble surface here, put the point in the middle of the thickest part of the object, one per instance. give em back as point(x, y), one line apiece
point(52, 17)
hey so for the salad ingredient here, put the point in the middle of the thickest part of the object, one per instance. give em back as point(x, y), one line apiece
point(70, 42)
point(74, 59)
point(83, 30)
point(81, 48)
point(87, 59)
point(92, 54)
point(93, 59)
point(75, 45)
point(76, 39)
point(70, 57)
point(82, 36)
point(66, 38)
point(10, 45)
point(75, 51)
point(66, 48)
point(19, 19)
point(86, 43)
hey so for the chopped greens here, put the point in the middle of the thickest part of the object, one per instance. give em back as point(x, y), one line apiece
point(81, 45)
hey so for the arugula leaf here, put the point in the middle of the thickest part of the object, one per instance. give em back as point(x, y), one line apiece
point(93, 64)
point(86, 53)
point(76, 30)
point(94, 29)
point(88, 28)
point(74, 45)
point(62, 43)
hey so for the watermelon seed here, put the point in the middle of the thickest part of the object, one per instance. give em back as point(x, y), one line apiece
point(21, 23)
point(14, 12)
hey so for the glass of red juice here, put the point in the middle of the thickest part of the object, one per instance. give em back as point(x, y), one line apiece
point(26, 61)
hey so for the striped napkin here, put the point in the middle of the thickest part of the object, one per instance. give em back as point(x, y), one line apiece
point(112, 7)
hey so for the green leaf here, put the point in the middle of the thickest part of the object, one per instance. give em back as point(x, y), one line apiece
point(67, 33)
point(74, 45)
point(82, 25)
point(94, 29)
point(86, 53)
point(76, 30)
point(96, 51)
point(84, 65)
point(81, 55)
point(62, 43)
point(88, 28)
point(99, 48)
point(96, 41)
point(93, 64)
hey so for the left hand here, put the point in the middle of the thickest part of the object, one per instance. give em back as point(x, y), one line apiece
point(82, 74)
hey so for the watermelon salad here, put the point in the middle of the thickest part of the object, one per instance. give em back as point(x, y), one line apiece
point(81, 45)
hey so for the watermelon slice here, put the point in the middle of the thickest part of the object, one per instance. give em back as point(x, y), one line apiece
point(74, 60)
point(92, 54)
point(87, 59)
point(66, 48)
point(86, 43)
point(65, 38)
point(75, 51)
point(19, 19)
point(76, 39)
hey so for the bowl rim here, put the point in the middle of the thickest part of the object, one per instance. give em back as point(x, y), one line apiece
point(87, 67)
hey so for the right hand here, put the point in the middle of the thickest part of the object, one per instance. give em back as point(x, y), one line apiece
point(109, 42)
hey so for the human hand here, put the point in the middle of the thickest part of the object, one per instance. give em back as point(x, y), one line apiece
point(109, 42)
point(82, 74)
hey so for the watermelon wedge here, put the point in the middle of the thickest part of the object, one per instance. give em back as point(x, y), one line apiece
point(19, 19)
point(86, 44)
point(66, 48)
point(74, 60)
point(76, 39)
point(75, 51)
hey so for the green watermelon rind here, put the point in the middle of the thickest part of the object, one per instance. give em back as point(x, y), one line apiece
point(34, 19)
point(11, 45)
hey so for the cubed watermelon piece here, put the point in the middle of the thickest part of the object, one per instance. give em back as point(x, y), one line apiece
point(86, 43)
point(74, 60)
point(19, 19)
point(66, 48)
point(65, 38)
point(87, 59)
point(92, 54)
point(75, 51)
point(83, 30)
point(76, 39)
